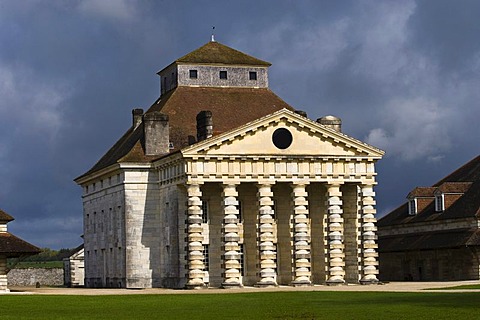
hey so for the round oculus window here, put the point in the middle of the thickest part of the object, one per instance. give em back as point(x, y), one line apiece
point(282, 138)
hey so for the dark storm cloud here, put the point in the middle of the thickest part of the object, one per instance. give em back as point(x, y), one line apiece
point(403, 75)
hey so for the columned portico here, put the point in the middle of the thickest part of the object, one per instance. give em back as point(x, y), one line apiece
point(266, 236)
point(335, 232)
point(196, 265)
point(369, 264)
point(301, 236)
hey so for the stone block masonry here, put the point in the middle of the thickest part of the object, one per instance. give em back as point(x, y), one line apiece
point(30, 277)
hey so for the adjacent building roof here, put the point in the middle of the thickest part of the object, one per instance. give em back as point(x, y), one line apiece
point(5, 216)
point(464, 180)
point(429, 240)
point(216, 53)
point(12, 246)
point(230, 107)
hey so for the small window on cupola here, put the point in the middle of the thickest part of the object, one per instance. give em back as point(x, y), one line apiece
point(252, 75)
point(193, 74)
point(223, 75)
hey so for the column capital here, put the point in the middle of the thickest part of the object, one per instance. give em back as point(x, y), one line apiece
point(228, 183)
point(265, 183)
point(335, 183)
point(193, 183)
point(300, 183)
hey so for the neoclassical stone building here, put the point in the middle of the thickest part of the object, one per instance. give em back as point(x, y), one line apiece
point(221, 183)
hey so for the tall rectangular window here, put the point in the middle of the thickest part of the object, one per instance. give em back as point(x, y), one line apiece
point(223, 75)
point(204, 211)
point(193, 74)
point(242, 260)
point(252, 75)
point(240, 213)
point(439, 203)
point(412, 207)
point(206, 257)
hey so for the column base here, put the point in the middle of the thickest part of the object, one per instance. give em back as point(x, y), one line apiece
point(301, 283)
point(4, 290)
point(369, 281)
point(232, 285)
point(335, 282)
point(269, 284)
point(195, 286)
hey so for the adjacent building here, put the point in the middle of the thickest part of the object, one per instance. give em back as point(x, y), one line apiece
point(74, 268)
point(11, 247)
point(435, 235)
point(221, 183)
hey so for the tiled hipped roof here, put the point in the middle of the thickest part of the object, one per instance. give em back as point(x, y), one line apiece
point(465, 180)
point(12, 246)
point(5, 216)
point(230, 107)
point(216, 53)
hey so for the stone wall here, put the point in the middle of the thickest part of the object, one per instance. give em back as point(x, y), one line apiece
point(430, 265)
point(30, 276)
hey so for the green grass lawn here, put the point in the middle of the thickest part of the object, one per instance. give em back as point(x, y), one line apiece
point(38, 264)
point(258, 305)
point(463, 287)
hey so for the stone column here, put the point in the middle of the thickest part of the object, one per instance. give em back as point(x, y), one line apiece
point(196, 259)
point(301, 237)
point(231, 238)
point(369, 263)
point(335, 248)
point(3, 274)
point(268, 254)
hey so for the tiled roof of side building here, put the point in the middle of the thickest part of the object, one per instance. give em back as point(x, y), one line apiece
point(230, 107)
point(216, 53)
point(422, 192)
point(465, 179)
point(5, 216)
point(12, 246)
point(429, 240)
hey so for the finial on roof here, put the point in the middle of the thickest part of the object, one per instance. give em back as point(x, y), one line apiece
point(213, 34)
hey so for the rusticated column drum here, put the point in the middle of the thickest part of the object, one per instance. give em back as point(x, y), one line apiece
point(231, 238)
point(196, 259)
point(336, 254)
point(369, 269)
point(268, 254)
point(301, 237)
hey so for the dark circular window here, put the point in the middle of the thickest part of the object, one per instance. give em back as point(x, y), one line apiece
point(282, 138)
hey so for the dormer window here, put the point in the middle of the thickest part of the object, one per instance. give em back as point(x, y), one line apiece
point(223, 75)
point(252, 75)
point(412, 207)
point(193, 74)
point(439, 202)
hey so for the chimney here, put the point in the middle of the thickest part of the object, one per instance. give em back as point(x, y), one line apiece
point(302, 113)
point(137, 117)
point(156, 133)
point(204, 125)
point(332, 122)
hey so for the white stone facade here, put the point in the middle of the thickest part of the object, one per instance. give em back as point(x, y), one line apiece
point(300, 216)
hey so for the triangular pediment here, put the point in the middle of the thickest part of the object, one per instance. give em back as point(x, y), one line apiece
point(283, 133)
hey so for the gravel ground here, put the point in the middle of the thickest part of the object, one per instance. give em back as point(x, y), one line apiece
point(390, 286)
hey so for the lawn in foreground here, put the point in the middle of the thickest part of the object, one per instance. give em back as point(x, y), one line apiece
point(262, 305)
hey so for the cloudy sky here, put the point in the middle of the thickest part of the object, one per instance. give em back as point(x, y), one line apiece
point(403, 76)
